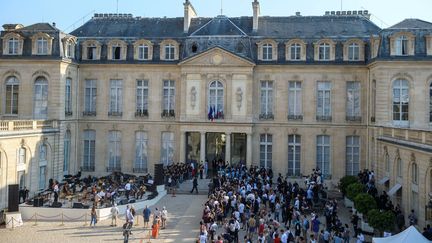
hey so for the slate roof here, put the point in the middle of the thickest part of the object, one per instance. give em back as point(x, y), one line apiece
point(412, 24)
point(40, 27)
point(220, 25)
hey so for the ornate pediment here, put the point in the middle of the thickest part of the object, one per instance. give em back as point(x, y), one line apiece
point(216, 57)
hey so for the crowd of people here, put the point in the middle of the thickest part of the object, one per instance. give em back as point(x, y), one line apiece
point(269, 209)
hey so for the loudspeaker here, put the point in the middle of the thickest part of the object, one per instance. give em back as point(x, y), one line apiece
point(56, 205)
point(78, 205)
point(132, 201)
point(38, 202)
point(158, 174)
point(123, 202)
point(13, 199)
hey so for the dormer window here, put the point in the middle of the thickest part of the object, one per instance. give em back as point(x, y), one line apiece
point(69, 50)
point(169, 52)
point(42, 46)
point(325, 50)
point(143, 50)
point(353, 50)
point(13, 46)
point(91, 52)
point(116, 52)
point(295, 50)
point(267, 52)
point(69, 46)
point(401, 45)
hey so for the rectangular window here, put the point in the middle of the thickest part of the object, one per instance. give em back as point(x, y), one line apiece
point(21, 155)
point(401, 46)
point(267, 50)
point(294, 155)
point(266, 100)
point(90, 97)
point(42, 46)
point(116, 98)
point(12, 92)
point(353, 111)
point(21, 178)
point(324, 112)
point(141, 153)
point(42, 177)
point(167, 152)
point(352, 155)
point(266, 149)
point(40, 99)
point(89, 150)
point(354, 52)
point(114, 151)
point(323, 155)
point(168, 98)
point(143, 52)
point(295, 100)
point(116, 51)
point(91, 52)
point(169, 52)
point(142, 98)
point(295, 52)
point(324, 52)
point(13, 46)
point(69, 50)
point(68, 97)
point(66, 152)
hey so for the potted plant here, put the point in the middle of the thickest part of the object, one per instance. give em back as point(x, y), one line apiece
point(364, 203)
point(381, 220)
point(352, 191)
point(344, 182)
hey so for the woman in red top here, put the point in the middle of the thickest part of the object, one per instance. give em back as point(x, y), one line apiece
point(276, 239)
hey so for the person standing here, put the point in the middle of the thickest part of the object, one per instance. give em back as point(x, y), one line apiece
point(56, 191)
point(93, 216)
point(195, 185)
point(127, 189)
point(146, 216)
point(114, 214)
point(164, 216)
point(412, 218)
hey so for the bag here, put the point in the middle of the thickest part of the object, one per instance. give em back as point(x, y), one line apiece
point(290, 237)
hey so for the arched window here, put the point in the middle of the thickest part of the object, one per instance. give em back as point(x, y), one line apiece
point(40, 100)
point(400, 102)
point(216, 100)
point(399, 167)
point(294, 155)
point(42, 46)
point(414, 173)
point(42, 153)
point(12, 91)
point(66, 152)
point(267, 52)
point(354, 52)
point(324, 52)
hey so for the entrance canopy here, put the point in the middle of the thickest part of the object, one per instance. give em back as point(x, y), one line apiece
point(411, 234)
point(394, 189)
point(383, 180)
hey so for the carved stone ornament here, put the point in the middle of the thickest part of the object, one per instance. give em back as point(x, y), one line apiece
point(168, 127)
point(239, 97)
point(114, 126)
point(397, 153)
point(141, 126)
point(430, 162)
point(193, 94)
point(385, 149)
point(88, 125)
point(266, 129)
point(68, 126)
point(355, 132)
point(413, 157)
point(216, 59)
point(22, 142)
point(294, 130)
point(324, 130)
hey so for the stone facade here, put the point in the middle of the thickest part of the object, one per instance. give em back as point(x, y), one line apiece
point(293, 93)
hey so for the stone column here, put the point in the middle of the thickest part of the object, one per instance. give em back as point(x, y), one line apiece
point(228, 147)
point(248, 149)
point(203, 147)
point(182, 146)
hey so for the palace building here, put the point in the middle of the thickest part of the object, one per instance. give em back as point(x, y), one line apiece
point(122, 93)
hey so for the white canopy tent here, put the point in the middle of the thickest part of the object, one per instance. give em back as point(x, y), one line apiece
point(409, 235)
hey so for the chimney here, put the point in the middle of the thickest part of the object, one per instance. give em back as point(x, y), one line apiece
point(256, 13)
point(189, 13)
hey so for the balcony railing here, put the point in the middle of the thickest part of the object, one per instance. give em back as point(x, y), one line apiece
point(115, 113)
point(89, 113)
point(22, 125)
point(167, 113)
point(295, 117)
point(324, 118)
point(88, 168)
point(140, 170)
point(141, 113)
point(353, 118)
point(68, 113)
point(268, 116)
point(113, 169)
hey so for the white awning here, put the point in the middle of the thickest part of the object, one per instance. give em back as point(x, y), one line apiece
point(394, 189)
point(383, 180)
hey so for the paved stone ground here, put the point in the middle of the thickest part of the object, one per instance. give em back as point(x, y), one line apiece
point(184, 210)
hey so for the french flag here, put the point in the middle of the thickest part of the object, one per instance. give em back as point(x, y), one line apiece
point(210, 113)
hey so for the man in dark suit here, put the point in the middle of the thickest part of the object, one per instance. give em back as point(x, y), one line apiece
point(195, 185)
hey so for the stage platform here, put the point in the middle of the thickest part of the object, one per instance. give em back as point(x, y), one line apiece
point(29, 212)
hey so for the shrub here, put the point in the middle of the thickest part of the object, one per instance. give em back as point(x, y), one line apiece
point(354, 189)
point(345, 181)
point(364, 202)
point(381, 221)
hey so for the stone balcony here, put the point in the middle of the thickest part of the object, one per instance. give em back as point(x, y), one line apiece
point(416, 138)
point(7, 126)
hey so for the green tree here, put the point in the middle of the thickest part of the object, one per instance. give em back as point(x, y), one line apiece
point(381, 221)
point(345, 181)
point(354, 189)
point(364, 202)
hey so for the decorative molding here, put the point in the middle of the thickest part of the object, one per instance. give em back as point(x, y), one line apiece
point(68, 126)
point(41, 73)
point(88, 125)
point(266, 129)
point(22, 143)
point(397, 153)
point(430, 162)
point(168, 127)
point(114, 126)
point(294, 130)
point(193, 98)
point(355, 132)
point(324, 130)
point(413, 157)
point(239, 97)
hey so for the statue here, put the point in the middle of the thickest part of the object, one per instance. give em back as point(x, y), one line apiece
point(239, 97)
point(193, 93)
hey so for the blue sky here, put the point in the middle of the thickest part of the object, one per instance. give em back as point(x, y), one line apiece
point(69, 16)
